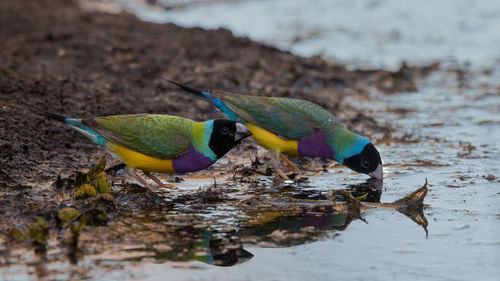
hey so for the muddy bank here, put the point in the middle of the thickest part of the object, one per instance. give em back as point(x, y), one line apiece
point(59, 58)
point(56, 57)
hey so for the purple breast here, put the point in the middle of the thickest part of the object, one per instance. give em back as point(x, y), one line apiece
point(315, 146)
point(191, 161)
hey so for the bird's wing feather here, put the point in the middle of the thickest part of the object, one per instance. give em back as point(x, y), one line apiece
point(286, 117)
point(160, 136)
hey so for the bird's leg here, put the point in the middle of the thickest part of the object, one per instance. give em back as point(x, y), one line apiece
point(133, 174)
point(276, 164)
point(155, 179)
point(290, 164)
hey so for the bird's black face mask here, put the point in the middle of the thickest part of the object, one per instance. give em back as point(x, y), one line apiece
point(366, 162)
point(226, 134)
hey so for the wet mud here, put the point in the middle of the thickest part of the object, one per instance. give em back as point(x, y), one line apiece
point(213, 224)
point(57, 57)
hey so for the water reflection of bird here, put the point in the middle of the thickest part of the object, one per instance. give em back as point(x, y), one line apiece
point(275, 221)
point(207, 246)
point(160, 143)
point(295, 127)
point(371, 190)
point(290, 231)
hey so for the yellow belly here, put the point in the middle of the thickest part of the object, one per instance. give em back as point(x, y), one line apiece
point(138, 160)
point(272, 141)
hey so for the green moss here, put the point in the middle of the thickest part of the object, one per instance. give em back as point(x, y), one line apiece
point(102, 183)
point(17, 235)
point(68, 215)
point(85, 190)
point(38, 232)
point(91, 175)
point(107, 197)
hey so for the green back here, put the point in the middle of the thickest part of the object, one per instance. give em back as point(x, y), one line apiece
point(287, 117)
point(160, 136)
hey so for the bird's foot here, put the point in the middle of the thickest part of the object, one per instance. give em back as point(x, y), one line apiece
point(276, 164)
point(279, 173)
point(155, 179)
point(133, 173)
point(144, 183)
point(290, 164)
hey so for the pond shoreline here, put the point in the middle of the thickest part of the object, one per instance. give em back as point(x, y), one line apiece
point(59, 58)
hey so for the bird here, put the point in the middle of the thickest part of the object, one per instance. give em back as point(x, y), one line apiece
point(159, 143)
point(295, 127)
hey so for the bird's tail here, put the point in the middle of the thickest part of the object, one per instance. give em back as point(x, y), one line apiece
point(197, 93)
point(208, 97)
point(78, 125)
point(54, 116)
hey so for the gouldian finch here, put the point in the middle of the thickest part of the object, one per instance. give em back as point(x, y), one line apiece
point(160, 143)
point(295, 127)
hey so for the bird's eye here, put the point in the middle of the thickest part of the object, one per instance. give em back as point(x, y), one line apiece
point(224, 131)
point(365, 164)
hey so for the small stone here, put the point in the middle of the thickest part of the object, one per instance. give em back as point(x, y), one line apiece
point(278, 235)
point(490, 177)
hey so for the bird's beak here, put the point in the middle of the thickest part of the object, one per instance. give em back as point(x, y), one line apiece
point(242, 132)
point(377, 173)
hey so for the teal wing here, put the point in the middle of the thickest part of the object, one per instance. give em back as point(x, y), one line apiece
point(286, 117)
point(160, 136)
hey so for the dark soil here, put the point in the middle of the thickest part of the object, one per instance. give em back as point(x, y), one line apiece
point(56, 57)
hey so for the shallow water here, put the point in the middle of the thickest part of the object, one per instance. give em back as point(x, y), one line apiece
point(365, 34)
point(452, 123)
point(463, 213)
point(452, 127)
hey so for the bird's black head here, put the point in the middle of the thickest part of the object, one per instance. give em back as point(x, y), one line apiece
point(225, 135)
point(367, 162)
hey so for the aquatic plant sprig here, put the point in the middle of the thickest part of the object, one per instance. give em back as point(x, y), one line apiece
point(37, 233)
point(72, 218)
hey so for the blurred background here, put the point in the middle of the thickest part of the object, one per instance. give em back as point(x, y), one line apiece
point(361, 33)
